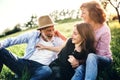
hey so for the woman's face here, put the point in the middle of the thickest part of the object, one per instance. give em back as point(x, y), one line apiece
point(76, 38)
point(85, 15)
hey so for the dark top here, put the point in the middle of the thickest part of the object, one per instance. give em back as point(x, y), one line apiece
point(66, 70)
point(69, 50)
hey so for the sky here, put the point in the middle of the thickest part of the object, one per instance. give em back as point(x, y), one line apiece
point(13, 12)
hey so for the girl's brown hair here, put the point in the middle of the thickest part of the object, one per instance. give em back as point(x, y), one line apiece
point(96, 12)
point(87, 34)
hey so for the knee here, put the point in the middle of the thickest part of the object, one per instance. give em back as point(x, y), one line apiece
point(3, 50)
point(4, 53)
point(47, 70)
point(42, 73)
point(91, 57)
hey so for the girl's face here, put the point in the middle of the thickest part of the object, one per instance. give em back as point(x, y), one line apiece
point(76, 38)
point(85, 15)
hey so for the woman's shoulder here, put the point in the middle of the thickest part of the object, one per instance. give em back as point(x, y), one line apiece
point(69, 41)
point(103, 29)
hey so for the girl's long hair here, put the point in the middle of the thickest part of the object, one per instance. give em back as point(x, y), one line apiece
point(87, 34)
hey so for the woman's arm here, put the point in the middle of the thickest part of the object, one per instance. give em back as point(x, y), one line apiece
point(51, 48)
point(58, 34)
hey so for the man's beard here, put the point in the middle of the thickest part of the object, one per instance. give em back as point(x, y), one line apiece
point(47, 37)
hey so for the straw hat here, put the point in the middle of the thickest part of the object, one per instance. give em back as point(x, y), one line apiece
point(45, 21)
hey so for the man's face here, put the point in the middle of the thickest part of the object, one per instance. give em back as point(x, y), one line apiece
point(47, 33)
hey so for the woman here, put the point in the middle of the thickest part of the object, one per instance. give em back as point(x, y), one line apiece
point(78, 46)
point(93, 14)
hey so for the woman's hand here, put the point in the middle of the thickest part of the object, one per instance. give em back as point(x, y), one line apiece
point(50, 48)
point(40, 46)
point(74, 62)
point(58, 34)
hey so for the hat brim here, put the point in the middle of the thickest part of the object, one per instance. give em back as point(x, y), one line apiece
point(45, 26)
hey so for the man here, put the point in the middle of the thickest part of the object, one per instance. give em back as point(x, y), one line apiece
point(36, 58)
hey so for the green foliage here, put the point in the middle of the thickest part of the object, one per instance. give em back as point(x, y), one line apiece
point(6, 74)
point(116, 51)
point(32, 22)
point(8, 32)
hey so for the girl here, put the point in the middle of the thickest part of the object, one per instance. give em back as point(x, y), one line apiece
point(77, 47)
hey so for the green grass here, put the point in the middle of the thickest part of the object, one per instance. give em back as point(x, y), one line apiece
point(64, 27)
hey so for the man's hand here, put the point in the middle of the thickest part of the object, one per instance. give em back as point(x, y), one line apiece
point(74, 62)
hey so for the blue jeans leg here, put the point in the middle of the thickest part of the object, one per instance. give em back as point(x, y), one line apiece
point(90, 70)
point(10, 61)
point(92, 63)
point(41, 73)
point(79, 73)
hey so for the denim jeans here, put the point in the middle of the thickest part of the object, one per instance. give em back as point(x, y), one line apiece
point(19, 66)
point(89, 70)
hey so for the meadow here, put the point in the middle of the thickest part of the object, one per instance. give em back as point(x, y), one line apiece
point(66, 29)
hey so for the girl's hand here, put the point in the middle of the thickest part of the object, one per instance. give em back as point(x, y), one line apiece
point(74, 62)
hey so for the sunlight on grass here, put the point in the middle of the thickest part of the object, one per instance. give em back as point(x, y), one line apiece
point(66, 28)
point(114, 24)
point(18, 49)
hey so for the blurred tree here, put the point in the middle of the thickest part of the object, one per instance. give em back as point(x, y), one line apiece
point(71, 13)
point(11, 31)
point(17, 28)
point(64, 14)
point(32, 22)
point(78, 14)
point(55, 15)
point(114, 3)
